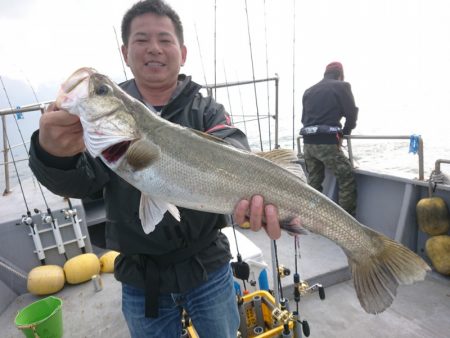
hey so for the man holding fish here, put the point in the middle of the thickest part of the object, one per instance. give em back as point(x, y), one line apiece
point(182, 260)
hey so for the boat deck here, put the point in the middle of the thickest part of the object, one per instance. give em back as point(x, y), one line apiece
point(420, 310)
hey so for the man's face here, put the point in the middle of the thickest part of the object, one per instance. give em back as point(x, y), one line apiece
point(153, 52)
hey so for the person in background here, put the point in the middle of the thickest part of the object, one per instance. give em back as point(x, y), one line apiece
point(179, 265)
point(324, 105)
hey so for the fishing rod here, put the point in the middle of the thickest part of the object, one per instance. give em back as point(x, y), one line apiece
point(215, 49)
point(29, 84)
point(200, 54)
point(293, 82)
point(48, 217)
point(70, 213)
point(302, 288)
point(228, 92)
point(26, 219)
point(253, 74)
point(267, 75)
point(297, 290)
point(242, 107)
point(120, 54)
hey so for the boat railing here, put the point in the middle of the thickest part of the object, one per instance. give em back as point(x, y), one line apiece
point(437, 165)
point(349, 139)
point(211, 90)
point(6, 147)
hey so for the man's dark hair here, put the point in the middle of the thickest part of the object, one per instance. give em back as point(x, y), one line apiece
point(157, 7)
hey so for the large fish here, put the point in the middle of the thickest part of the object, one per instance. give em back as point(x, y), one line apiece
point(172, 165)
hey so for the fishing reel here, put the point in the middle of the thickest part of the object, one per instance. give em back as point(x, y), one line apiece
point(46, 218)
point(284, 316)
point(27, 220)
point(283, 271)
point(69, 213)
point(302, 288)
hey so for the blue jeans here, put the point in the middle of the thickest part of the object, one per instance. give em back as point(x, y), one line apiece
point(211, 306)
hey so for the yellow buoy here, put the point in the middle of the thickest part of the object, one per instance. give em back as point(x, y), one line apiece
point(437, 249)
point(107, 261)
point(432, 216)
point(45, 280)
point(81, 268)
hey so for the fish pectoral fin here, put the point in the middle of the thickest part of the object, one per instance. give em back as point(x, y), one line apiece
point(293, 227)
point(151, 212)
point(142, 153)
point(174, 211)
point(285, 158)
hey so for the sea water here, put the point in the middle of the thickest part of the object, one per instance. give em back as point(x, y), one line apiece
point(382, 156)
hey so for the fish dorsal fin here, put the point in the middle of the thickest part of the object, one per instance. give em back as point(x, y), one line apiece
point(151, 212)
point(209, 137)
point(285, 158)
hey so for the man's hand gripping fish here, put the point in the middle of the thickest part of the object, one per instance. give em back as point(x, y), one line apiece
point(172, 165)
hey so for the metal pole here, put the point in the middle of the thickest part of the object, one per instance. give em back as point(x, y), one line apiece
point(437, 165)
point(5, 157)
point(274, 274)
point(421, 167)
point(277, 79)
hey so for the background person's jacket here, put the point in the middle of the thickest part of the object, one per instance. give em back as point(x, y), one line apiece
point(178, 254)
point(325, 104)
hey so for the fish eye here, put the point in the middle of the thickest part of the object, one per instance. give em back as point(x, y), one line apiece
point(102, 90)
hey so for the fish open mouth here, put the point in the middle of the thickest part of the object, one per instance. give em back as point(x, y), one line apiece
point(116, 151)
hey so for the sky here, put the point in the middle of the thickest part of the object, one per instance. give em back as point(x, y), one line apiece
point(396, 53)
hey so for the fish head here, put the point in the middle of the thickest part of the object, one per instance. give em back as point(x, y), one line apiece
point(109, 126)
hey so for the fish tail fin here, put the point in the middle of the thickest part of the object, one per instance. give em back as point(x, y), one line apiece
point(376, 279)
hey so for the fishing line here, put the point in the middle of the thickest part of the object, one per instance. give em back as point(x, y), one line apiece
point(52, 220)
point(267, 76)
point(200, 54)
point(228, 91)
point(32, 88)
point(72, 212)
point(10, 150)
point(26, 219)
point(242, 106)
point(293, 82)
point(215, 49)
point(120, 54)
point(253, 74)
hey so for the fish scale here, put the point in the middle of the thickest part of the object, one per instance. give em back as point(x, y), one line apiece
point(189, 169)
